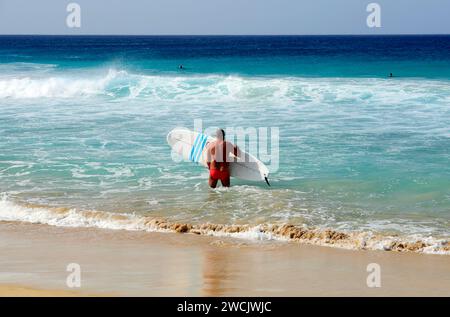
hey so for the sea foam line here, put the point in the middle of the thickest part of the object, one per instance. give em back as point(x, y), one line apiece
point(67, 217)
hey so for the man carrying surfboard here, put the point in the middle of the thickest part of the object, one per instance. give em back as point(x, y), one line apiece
point(222, 158)
point(218, 155)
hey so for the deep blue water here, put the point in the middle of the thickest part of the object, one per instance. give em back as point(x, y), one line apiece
point(321, 56)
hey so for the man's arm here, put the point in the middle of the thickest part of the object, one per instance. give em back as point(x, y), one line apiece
point(237, 151)
point(209, 155)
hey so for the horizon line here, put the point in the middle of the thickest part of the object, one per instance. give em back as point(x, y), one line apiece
point(218, 35)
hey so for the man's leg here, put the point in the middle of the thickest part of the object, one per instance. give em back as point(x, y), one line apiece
point(225, 181)
point(212, 182)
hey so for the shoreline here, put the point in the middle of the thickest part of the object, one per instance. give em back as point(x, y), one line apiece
point(135, 263)
point(328, 237)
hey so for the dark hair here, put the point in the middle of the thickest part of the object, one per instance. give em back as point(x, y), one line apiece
point(223, 133)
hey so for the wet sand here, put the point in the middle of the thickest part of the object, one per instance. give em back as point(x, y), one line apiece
point(21, 291)
point(34, 259)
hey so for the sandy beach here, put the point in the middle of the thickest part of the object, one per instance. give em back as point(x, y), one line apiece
point(35, 257)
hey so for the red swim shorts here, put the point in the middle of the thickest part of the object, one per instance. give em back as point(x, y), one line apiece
point(217, 174)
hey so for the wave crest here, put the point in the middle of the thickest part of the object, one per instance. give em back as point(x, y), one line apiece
point(209, 88)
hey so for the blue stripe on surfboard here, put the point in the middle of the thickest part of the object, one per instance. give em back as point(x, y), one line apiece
point(202, 146)
point(193, 147)
point(198, 141)
point(197, 148)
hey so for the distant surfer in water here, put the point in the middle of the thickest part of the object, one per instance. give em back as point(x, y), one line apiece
point(218, 158)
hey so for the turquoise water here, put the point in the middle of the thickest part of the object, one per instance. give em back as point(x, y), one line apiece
point(83, 124)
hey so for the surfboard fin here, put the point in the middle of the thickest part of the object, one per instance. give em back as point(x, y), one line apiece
point(267, 181)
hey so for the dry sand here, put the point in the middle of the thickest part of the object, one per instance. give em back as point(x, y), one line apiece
point(34, 259)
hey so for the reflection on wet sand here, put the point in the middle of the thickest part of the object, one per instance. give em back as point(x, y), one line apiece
point(215, 273)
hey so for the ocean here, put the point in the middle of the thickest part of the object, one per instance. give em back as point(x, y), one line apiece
point(364, 159)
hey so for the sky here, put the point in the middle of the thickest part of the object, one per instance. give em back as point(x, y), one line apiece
point(219, 17)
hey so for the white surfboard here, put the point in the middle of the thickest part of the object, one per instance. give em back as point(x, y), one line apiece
point(192, 146)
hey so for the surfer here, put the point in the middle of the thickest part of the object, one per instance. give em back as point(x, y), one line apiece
point(218, 157)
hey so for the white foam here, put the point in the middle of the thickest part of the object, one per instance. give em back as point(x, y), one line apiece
point(9, 211)
point(213, 88)
point(253, 233)
point(52, 87)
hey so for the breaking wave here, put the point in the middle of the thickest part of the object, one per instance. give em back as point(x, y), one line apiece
point(67, 217)
point(120, 83)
